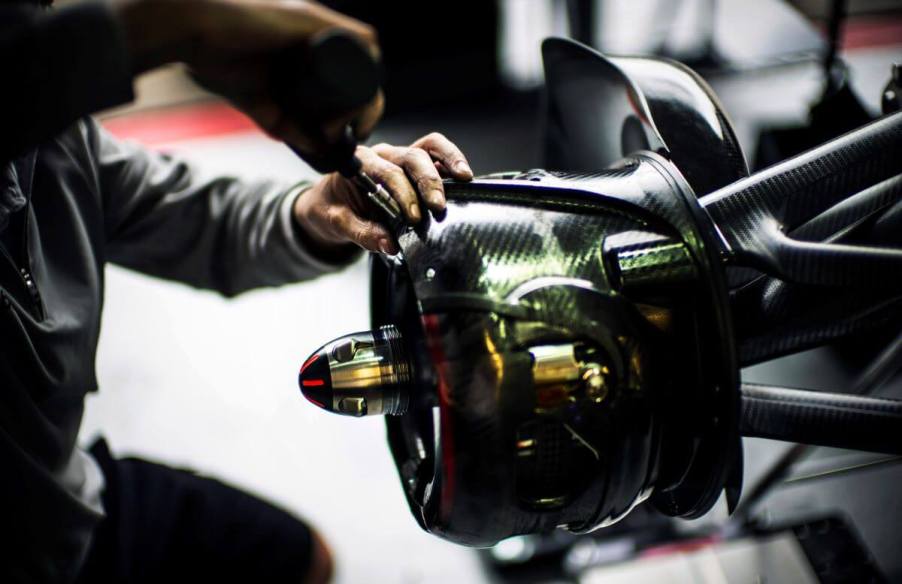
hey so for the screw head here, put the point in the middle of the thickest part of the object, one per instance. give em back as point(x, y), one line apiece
point(596, 384)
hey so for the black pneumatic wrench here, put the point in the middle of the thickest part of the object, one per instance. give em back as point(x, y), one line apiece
point(318, 81)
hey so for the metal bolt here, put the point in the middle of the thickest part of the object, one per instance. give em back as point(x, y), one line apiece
point(356, 406)
point(596, 384)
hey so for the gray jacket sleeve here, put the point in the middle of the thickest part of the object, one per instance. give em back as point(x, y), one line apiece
point(222, 234)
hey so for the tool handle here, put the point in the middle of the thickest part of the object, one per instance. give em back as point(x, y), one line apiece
point(319, 81)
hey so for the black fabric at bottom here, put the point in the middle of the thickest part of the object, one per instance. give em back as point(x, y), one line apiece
point(165, 524)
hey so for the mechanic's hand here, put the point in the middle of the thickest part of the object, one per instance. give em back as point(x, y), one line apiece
point(229, 45)
point(334, 212)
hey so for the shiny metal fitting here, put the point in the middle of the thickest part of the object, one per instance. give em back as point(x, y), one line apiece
point(361, 374)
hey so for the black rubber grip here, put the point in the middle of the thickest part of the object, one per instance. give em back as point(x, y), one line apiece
point(821, 419)
point(313, 83)
point(332, 75)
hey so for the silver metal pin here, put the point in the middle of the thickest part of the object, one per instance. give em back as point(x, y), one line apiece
point(381, 198)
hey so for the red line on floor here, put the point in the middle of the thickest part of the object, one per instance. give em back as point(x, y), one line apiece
point(177, 123)
point(872, 31)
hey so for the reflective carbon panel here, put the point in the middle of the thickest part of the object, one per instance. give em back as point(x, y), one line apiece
point(545, 375)
point(487, 249)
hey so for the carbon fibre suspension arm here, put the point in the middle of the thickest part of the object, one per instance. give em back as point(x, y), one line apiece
point(785, 219)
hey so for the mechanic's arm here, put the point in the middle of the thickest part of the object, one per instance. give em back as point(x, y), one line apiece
point(65, 63)
point(230, 236)
point(224, 234)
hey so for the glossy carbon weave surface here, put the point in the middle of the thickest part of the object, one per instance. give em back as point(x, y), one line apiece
point(825, 230)
point(616, 264)
point(802, 292)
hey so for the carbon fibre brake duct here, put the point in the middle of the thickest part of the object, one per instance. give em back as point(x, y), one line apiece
point(561, 346)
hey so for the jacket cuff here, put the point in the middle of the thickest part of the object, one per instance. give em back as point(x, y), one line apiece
point(300, 245)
